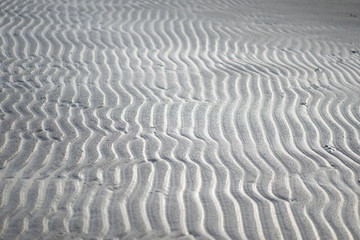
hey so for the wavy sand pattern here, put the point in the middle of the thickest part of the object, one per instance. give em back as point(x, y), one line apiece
point(177, 119)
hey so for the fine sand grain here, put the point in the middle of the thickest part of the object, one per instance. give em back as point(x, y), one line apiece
point(179, 119)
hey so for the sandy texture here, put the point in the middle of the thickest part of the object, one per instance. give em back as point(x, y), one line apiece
point(179, 119)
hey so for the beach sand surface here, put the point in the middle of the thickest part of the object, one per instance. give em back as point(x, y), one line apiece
point(179, 119)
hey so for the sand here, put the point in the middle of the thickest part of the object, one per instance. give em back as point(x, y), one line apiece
point(179, 119)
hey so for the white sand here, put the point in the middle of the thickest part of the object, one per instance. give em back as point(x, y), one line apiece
point(179, 119)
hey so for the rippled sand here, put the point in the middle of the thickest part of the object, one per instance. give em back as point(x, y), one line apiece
point(179, 119)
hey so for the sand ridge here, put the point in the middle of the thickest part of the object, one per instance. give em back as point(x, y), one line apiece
point(179, 120)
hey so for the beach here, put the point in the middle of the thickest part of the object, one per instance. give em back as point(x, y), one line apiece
point(169, 119)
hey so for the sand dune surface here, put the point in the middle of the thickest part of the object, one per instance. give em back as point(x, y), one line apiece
point(179, 119)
